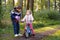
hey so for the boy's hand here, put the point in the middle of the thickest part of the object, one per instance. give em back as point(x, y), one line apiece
point(17, 18)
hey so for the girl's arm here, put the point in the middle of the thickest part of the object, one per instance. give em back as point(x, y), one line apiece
point(32, 18)
point(24, 18)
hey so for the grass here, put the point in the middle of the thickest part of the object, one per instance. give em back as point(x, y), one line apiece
point(43, 29)
point(55, 36)
point(9, 31)
point(39, 26)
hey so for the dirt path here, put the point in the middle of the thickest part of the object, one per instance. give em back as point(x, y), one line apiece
point(38, 36)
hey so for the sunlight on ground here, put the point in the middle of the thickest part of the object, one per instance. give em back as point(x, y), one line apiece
point(57, 33)
point(55, 36)
point(45, 28)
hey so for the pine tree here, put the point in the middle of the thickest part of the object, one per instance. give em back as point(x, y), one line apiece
point(55, 4)
point(27, 4)
point(48, 4)
point(0, 11)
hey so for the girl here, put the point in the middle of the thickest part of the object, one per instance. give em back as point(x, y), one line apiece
point(29, 19)
point(15, 17)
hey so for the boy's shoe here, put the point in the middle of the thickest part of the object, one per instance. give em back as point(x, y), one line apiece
point(16, 35)
point(20, 35)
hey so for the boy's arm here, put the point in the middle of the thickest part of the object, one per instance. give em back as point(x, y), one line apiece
point(20, 15)
point(12, 16)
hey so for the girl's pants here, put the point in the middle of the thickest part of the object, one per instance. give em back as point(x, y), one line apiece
point(16, 27)
point(31, 27)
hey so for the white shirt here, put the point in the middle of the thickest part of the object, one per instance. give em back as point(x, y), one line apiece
point(28, 18)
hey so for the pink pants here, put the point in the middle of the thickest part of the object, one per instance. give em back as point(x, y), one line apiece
point(31, 27)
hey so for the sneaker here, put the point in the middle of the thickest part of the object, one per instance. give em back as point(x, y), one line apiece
point(33, 34)
point(16, 35)
point(20, 35)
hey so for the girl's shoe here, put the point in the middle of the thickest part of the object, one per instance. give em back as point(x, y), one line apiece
point(33, 34)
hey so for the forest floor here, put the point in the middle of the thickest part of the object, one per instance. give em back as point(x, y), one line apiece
point(38, 36)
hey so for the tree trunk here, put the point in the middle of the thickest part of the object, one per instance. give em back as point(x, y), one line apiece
point(0, 8)
point(41, 4)
point(49, 4)
point(21, 4)
point(27, 4)
point(13, 3)
point(24, 4)
point(59, 5)
point(31, 5)
point(5, 2)
point(0, 12)
point(54, 4)
point(4, 5)
point(46, 2)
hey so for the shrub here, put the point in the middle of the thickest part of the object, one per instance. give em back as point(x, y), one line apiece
point(47, 14)
point(53, 14)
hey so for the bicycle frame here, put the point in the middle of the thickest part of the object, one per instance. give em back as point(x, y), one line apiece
point(28, 31)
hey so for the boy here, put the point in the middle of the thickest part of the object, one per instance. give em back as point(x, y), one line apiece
point(15, 17)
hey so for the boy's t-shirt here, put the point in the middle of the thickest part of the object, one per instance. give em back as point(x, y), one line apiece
point(14, 14)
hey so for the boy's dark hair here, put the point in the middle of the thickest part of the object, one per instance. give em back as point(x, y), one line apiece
point(17, 7)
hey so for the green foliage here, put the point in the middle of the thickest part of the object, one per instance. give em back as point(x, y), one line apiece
point(47, 17)
point(54, 14)
point(42, 17)
point(38, 25)
point(47, 14)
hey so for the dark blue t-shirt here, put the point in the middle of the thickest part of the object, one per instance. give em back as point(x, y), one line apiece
point(13, 14)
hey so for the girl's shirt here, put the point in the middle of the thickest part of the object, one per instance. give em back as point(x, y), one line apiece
point(28, 18)
point(14, 14)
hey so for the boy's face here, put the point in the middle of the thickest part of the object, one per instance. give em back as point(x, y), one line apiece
point(19, 10)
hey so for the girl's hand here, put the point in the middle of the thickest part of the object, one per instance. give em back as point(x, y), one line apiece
point(31, 21)
point(22, 21)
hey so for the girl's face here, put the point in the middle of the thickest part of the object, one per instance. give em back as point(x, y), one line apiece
point(28, 12)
